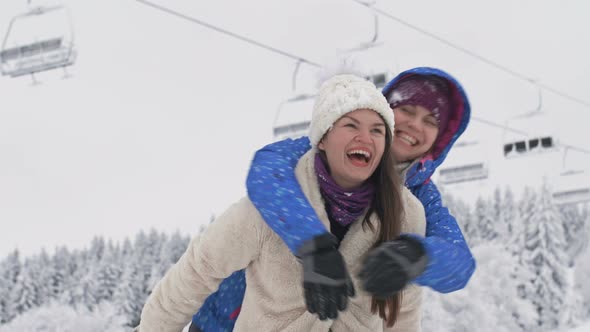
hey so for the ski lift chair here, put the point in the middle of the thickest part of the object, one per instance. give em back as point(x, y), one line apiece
point(38, 52)
point(571, 186)
point(520, 144)
point(380, 79)
point(463, 173)
point(293, 117)
point(531, 145)
point(467, 165)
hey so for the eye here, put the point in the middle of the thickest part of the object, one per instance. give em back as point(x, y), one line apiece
point(350, 125)
point(431, 121)
point(406, 109)
point(377, 130)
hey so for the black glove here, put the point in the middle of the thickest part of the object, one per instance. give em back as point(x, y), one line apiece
point(326, 281)
point(194, 328)
point(389, 267)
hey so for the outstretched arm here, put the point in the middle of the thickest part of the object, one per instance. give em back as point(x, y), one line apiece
point(200, 270)
point(450, 262)
point(274, 190)
point(441, 259)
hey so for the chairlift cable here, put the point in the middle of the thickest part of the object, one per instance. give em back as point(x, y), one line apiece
point(565, 95)
point(303, 60)
point(227, 32)
point(475, 55)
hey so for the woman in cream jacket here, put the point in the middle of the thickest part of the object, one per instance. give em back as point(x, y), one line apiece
point(351, 135)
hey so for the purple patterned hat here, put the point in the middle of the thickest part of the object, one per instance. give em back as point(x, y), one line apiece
point(429, 92)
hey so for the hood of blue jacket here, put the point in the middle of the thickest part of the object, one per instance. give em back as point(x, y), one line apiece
point(421, 170)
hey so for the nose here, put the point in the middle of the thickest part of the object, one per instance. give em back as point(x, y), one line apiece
point(415, 123)
point(363, 136)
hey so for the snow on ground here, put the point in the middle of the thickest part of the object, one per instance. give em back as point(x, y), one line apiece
point(582, 328)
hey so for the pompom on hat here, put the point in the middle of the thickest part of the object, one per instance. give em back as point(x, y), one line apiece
point(343, 94)
point(430, 92)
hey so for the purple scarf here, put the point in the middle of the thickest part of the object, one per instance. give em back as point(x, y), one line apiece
point(343, 206)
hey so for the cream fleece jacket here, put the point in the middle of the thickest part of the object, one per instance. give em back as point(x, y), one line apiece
point(274, 301)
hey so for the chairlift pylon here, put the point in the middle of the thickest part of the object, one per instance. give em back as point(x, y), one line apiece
point(32, 44)
point(293, 115)
point(379, 76)
point(373, 41)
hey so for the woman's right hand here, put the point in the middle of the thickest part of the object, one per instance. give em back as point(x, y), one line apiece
point(326, 280)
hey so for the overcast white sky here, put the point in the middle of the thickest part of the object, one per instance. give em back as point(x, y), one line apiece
point(158, 123)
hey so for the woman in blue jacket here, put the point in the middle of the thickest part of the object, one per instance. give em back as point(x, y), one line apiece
point(431, 111)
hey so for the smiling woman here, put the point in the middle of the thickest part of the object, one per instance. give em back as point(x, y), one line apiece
point(354, 147)
point(421, 105)
point(350, 180)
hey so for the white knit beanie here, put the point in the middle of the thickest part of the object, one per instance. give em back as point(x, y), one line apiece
point(343, 94)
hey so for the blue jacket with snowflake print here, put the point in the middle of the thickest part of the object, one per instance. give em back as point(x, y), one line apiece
point(274, 190)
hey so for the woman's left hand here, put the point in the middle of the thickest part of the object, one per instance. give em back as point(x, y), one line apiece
point(392, 265)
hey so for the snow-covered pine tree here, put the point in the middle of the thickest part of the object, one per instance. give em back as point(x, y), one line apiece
point(546, 258)
point(525, 209)
point(471, 230)
point(172, 249)
point(96, 250)
point(526, 204)
point(62, 269)
point(463, 215)
point(576, 231)
point(83, 290)
point(25, 294)
point(75, 265)
point(10, 269)
point(80, 292)
point(151, 259)
point(108, 274)
point(501, 215)
point(487, 226)
point(130, 295)
point(514, 226)
point(581, 285)
point(44, 278)
point(132, 291)
point(126, 249)
point(4, 292)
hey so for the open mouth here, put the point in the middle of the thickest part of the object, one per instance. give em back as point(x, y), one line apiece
point(359, 157)
point(407, 138)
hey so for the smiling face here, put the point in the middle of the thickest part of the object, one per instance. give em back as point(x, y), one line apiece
point(354, 147)
point(415, 132)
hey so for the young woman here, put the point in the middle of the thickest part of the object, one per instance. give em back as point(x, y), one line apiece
point(431, 112)
point(348, 178)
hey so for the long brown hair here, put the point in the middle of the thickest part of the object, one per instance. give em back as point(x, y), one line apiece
point(388, 207)
point(387, 204)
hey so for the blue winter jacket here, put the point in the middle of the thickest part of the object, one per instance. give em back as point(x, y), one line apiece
point(274, 190)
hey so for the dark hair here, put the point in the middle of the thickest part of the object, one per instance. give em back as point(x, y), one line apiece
point(387, 205)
